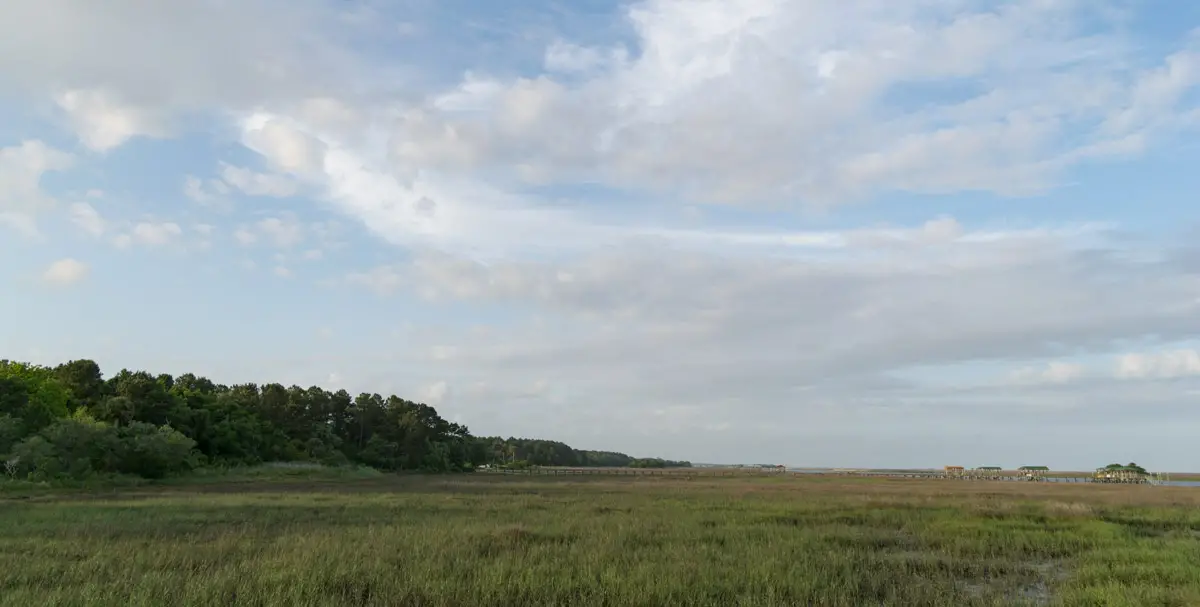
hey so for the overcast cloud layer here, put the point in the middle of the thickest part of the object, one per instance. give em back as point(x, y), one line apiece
point(871, 232)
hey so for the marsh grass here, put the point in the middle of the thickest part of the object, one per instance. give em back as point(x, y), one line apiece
point(470, 540)
point(240, 478)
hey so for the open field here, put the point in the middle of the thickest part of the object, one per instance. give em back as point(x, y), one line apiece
point(497, 540)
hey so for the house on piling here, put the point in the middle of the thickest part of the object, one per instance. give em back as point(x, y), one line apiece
point(1115, 473)
point(1033, 473)
point(954, 471)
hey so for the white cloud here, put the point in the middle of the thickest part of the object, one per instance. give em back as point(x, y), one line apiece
point(21, 170)
point(65, 272)
point(442, 352)
point(258, 184)
point(245, 237)
point(283, 232)
point(102, 122)
point(1159, 365)
point(762, 100)
point(809, 103)
point(130, 66)
point(156, 234)
point(88, 219)
point(1156, 95)
point(435, 393)
point(726, 334)
point(286, 147)
point(212, 192)
point(383, 279)
point(485, 221)
point(563, 56)
point(1057, 372)
point(150, 234)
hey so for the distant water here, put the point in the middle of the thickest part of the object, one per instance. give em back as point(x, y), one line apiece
point(1051, 479)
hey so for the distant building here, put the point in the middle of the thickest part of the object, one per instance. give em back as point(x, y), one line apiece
point(1033, 472)
point(1121, 474)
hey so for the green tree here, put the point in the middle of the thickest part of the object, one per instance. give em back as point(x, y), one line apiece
point(84, 381)
point(148, 397)
point(71, 422)
point(32, 394)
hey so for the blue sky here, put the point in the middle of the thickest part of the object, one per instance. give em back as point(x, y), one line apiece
point(822, 233)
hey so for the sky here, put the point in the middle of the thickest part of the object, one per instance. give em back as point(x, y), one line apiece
point(818, 232)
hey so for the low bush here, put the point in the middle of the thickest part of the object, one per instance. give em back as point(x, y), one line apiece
point(80, 447)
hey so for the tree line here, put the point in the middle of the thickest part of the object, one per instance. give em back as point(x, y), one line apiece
point(520, 452)
point(69, 421)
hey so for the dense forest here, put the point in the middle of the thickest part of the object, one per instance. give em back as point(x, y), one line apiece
point(70, 422)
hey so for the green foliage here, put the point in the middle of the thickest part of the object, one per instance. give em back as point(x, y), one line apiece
point(32, 394)
point(70, 423)
point(80, 447)
point(603, 459)
point(654, 462)
point(536, 452)
point(35, 458)
point(82, 378)
point(11, 431)
point(154, 452)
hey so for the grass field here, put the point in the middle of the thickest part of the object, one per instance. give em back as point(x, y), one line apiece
point(489, 540)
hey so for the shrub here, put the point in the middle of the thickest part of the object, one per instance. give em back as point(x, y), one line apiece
point(36, 460)
point(154, 452)
point(79, 447)
point(83, 446)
